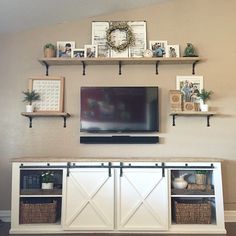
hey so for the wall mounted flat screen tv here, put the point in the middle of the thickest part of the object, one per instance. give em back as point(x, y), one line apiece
point(119, 109)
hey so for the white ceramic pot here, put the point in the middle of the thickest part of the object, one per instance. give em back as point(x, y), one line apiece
point(47, 185)
point(29, 108)
point(204, 107)
point(180, 183)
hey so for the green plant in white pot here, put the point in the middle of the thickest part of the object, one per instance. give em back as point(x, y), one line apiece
point(30, 97)
point(47, 179)
point(204, 96)
point(201, 177)
point(49, 50)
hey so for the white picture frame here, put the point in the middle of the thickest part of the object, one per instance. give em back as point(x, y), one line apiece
point(65, 48)
point(51, 91)
point(190, 86)
point(173, 51)
point(158, 47)
point(78, 53)
point(90, 50)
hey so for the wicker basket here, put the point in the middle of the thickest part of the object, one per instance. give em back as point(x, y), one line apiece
point(38, 212)
point(192, 212)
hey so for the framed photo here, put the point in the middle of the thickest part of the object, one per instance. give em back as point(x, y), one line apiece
point(78, 53)
point(65, 48)
point(172, 51)
point(90, 50)
point(190, 86)
point(158, 48)
point(51, 90)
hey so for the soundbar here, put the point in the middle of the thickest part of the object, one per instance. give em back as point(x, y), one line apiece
point(119, 139)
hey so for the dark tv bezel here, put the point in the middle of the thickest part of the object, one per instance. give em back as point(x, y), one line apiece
point(124, 131)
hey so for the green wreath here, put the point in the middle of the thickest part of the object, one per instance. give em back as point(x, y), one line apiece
point(129, 36)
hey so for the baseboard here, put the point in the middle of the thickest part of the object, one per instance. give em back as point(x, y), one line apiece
point(230, 216)
point(5, 216)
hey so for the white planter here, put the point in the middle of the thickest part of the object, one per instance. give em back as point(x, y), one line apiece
point(47, 185)
point(29, 108)
point(204, 107)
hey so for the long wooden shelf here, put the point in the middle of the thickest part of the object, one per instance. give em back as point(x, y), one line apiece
point(193, 113)
point(118, 61)
point(31, 115)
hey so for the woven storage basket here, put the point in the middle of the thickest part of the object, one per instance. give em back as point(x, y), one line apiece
point(192, 212)
point(38, 213)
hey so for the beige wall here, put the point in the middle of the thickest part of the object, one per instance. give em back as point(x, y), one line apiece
point(209, 25)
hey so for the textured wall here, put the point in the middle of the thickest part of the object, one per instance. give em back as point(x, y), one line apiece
point(209, 25)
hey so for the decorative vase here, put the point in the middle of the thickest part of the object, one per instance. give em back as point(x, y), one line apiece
point(29, 108)
point(47, 185)
point(49, 52)
point(204, 107)
point(180, 182)
point(200, 179)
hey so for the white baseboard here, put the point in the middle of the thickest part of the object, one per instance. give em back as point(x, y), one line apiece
point(230, 216)
point(5, 216)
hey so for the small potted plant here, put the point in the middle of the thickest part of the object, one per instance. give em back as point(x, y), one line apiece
point(49, 50)
point(30, 96)
point(47, 179)
point(204, 96)
point(200, 177)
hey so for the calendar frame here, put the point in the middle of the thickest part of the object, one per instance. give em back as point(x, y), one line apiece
point(59, 100)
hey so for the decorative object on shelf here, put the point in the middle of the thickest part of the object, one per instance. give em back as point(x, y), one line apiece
point(189, 106)
point(120, 36)
point(90, 50)
point(190, 87)
point(78, 53)
point(180, 182)
point(172, 51)
point(47, 179)
point(64, 49)
point(158, 48)
point(176, 100)
point(49, 50)
point(30, 96)
point(148, 53)
point(51, 90)
point(201, 187)
point(200, 177)
point(204, 96)
point(190, 51)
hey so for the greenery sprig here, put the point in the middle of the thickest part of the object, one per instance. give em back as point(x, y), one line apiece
point(205, 95)
point(31, 96)
point(47, 177)
point(130, 39)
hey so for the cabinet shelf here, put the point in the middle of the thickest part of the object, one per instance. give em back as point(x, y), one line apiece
point(189, 192)
point(31, 115)
point(47, 62)
point(192, 113)
point(40, 192)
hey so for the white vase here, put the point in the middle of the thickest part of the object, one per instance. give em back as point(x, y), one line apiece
point(29, 108)
point(47, 185)
point(204, 107)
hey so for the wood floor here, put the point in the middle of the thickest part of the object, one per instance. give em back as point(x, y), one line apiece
point(230, 227)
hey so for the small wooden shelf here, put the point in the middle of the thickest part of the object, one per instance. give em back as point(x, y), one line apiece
point(41, 192)
point(31, 115)
point(118, 61)
point(192, 113)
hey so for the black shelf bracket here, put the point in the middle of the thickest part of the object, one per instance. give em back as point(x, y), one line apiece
point(120, 65)
point(47, 68)
point(173, 119)
point(84, 67)
point(157, 66)
point(30, 121)
point(193, 67)
point(64, 124)
point(208, 120)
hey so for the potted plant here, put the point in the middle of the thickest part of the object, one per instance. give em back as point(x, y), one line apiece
point(30, 96)
point(49, 50)
point(204, 95)
point(47, 179)
point(200, 177)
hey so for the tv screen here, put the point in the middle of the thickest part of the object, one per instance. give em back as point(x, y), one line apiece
point(119, 109)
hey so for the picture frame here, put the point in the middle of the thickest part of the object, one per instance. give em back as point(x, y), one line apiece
point(51, 90)
point(190, 86)
point(65, 48)
point(172, 51)
point(90, 50)
point(78, 53)
point(158, 47)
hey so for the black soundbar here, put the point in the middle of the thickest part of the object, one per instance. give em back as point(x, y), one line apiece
point(119, 139)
